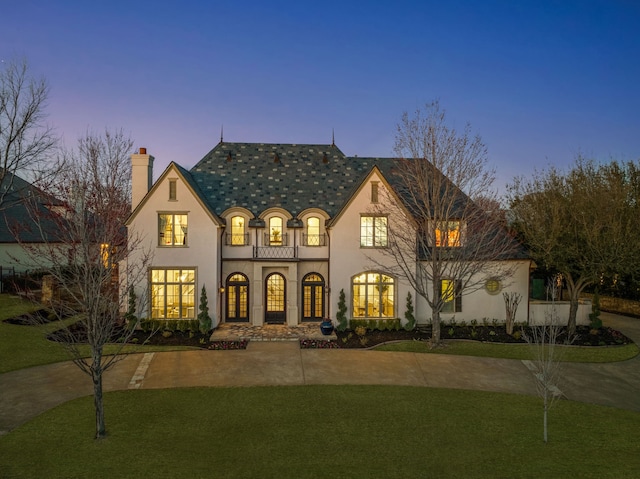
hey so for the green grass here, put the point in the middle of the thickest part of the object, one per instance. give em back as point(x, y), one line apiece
point(26, 346)
point(516, 351)
point(324, 431)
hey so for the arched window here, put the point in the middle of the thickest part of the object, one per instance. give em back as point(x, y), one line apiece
point(275, 237)
point(312, 297)
point(313, 237)
point(237, 298)
point(373, 296)
point(238, 237)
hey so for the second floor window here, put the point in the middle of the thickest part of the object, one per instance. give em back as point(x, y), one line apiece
point(172, 229)
point(373, 231)
point(237, 231)
point(275, 231)
point(448, 234)
point(313, 237)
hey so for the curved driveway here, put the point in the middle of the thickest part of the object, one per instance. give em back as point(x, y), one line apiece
point(26, 393)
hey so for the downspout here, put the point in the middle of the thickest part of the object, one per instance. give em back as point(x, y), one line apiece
point(220, 283)
point(328, 293)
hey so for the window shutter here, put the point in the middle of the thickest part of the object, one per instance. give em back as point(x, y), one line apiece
point(458, 296)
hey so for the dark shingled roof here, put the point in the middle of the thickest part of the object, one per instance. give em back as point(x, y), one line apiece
point(258, 176)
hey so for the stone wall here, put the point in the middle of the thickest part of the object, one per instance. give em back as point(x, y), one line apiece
point(617, 305)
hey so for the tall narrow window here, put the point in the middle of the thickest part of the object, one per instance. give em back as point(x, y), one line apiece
point(448, 234)
point(172, 229)
point(313, 236)
point(275, 231)
point(451, 293)
point(237, 231)
point(373, 231)
point(275, 299)
point(173, 190)
point(374, 192)
point(373, 296)
point(173, 293)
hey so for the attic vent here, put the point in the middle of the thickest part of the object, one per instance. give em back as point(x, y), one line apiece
point(276, 159)
point(228, 157)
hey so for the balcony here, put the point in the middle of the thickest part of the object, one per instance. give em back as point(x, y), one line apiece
point(314, 240)
point(241, 239)
point(276, 239)
point(275, 252)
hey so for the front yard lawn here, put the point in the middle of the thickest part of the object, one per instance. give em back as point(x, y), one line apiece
point(324, 431)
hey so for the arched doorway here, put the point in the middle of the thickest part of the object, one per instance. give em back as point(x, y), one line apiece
point(312, 297)
point(237, 298)
point(275, 299)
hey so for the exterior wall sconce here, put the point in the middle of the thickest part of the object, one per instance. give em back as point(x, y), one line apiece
point(221, 289)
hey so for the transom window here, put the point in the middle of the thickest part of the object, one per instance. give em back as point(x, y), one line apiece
point(172, 229)
point(373, 231)
point(173, 293)
point(448, 234)
point(373, 296)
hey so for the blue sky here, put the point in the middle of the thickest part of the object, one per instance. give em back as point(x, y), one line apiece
point(539, 81)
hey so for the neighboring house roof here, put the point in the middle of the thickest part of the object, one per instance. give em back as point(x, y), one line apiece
point(16, 215)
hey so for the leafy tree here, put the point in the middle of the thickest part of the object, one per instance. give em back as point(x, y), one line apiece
point(584, 224)
point(25, 141)
point(203, 316)
point(443, 223)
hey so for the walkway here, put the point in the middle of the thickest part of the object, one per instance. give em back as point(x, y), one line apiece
point(26, 393)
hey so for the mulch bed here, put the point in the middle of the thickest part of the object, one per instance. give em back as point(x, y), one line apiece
point(345, 339)
point(493, 334)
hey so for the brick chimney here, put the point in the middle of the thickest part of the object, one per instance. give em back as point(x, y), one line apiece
point(141, 176)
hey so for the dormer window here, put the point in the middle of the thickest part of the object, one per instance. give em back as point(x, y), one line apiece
point(312, 236)
point(448, 234)
point(238, 236)
point(276, 234)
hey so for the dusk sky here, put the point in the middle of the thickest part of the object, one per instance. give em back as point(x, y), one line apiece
point(539, 81)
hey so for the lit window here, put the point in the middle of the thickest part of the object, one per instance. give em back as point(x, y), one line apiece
point(313, 236)
point(312, 297)
point(275, 231)
point(237, 231)
point(237, 298)
point(450, 291)
point(173, 293)
point(373, 296)
point(105, 255)
point(172, 229)
point(447, 233)
point(373, 231)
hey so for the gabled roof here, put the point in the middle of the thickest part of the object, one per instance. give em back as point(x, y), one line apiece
point(258, 176)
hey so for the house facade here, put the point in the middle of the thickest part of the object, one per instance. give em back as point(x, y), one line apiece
point(274, 232)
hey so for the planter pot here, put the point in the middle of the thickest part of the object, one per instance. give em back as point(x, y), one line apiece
point(326, 327)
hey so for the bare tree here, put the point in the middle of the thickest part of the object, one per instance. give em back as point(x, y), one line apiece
point(85, 249)
point(439, 239)
point(25, 141)
point(511, 302)
point(582, 224)
point(547, 355)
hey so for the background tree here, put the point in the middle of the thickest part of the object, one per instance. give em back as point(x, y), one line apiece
point(25, 141)
point(439, 173)
point(584, 224)
point(88, 254)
